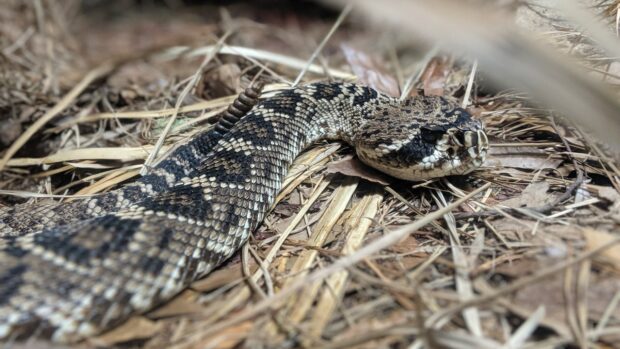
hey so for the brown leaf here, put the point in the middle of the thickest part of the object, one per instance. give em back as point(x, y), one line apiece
point(43, 344)
point(223, 276)
point(10, 129)
point(608, 193)
point(406, 245)
point(435, 76)
point(596, 239)
point(350, 166)
point(289, 208)
point(134, 74)
point(184, 303)
point(394, 268)
point(137, 327)
point(224, 80)
point(520, 267)
point(369, 71)
point(534, 195)
point(520, 157)
point(550, 293)
point(228, 338)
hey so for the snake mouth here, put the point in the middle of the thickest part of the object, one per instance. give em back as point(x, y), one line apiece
point(454, 152)
point(461, 152)
point(464, 144)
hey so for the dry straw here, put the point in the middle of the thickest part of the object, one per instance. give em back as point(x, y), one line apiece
point(341, 262)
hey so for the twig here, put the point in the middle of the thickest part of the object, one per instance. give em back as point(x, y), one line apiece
point(245, 268)
point(470, 84)
point(340, 264)
point(544, 209)
point(253, 55)
point(316, 52)
point(414, 78)
point(433, 320)
point(93, 75)
point(190, 85)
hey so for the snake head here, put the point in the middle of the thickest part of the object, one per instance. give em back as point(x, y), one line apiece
point(440, 140)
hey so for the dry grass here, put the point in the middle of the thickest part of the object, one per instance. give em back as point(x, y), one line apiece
point(521, 254)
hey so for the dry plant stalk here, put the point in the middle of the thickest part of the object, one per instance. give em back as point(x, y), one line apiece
point(414, 268)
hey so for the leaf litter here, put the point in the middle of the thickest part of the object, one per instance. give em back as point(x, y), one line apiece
point(497, 271)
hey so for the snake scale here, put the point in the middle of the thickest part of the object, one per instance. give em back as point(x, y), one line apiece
point(73, 270)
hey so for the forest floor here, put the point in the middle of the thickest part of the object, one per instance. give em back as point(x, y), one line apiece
point(88, 88)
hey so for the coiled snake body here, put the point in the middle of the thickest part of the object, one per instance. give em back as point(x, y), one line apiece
point(74, 270)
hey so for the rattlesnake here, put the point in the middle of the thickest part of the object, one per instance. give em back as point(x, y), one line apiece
point(90, 265)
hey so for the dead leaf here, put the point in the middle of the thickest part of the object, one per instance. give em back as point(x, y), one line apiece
point(184, 303)
point(550, 293)
point(596, 239)
point(42, 344)
point(406, 245)
point(394, 268)
point(511, 230)
point(10, 129)
point(289, 208)
point(608, 193)
point(369, 71)
point(350, 166)
point(228, 338)
point(138, 73)
point(222, 81)
point(520, 267)
point(223, 276)
point(534, 195)
point(520, 157)
point(137, 327)
point(282, 224)
point(435, 76)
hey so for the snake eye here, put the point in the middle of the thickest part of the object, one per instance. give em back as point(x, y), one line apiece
point(430, 135)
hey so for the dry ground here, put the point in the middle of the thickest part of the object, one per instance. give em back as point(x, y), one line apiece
point(87, 88)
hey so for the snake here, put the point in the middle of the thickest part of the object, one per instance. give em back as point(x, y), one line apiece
point(71, 271)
